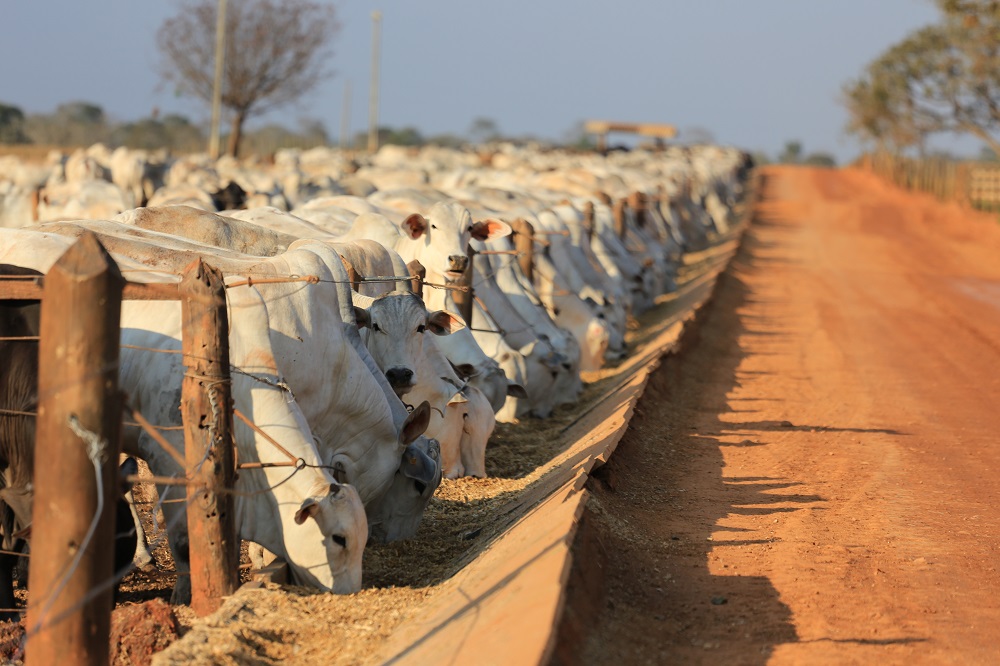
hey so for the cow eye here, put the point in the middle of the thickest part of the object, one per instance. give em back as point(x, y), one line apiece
point(421, 328)
point(375, 327)
point(339, 540)
point(433, 226)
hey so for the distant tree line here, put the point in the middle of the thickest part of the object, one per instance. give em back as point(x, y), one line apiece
point(84, 123)
point(794, 153)
point(79, 124)
point(943, 78)
point(76, 124)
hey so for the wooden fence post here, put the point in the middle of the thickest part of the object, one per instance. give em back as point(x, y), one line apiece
point(620, 218)
point(524, 244)
point(417, 284)
point(637, 201)
point(352, 274)
point(962, 190)
point(588, 220)
point(79, 421)
point(464, 299)
point(208, 443)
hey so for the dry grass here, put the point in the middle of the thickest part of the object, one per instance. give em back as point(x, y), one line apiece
point(30, 152)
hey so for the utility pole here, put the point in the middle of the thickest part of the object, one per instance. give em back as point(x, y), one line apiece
point(345, 118)
point(220, 55)
point(373, 93)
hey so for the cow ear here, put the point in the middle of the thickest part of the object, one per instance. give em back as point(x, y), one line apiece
point(415, 424)
point(441, 322)
point(309, 509)
point(362, 317)
point(516, 391)
point(527, 349)
point(490, 229)
point(414, 226)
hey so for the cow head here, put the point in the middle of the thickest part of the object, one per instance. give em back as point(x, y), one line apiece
point(396, 323)
point(542, 367)
point(442, 237)
point(328, 538)
point(396, 514)
point(477, 426)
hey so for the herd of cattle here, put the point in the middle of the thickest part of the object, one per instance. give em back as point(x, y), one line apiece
point(331, 356)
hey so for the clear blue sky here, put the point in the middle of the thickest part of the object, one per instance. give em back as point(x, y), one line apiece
point(754, 73)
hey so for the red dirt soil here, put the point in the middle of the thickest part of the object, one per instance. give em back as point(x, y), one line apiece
point(813, 480)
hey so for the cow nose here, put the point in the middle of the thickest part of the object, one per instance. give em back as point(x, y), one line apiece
point(458, 262)
point(399, 377)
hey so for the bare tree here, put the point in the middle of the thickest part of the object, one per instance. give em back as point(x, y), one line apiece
point(276, 51)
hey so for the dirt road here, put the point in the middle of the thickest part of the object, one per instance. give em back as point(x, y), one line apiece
point(816, 479)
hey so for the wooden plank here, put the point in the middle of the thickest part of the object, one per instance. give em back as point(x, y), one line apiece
point(417, 284)
point(524, 244)
point(656, 130)
point(515, 587)
point(76, 459)
point(206, 407)
point(33, 290)
point(621, 220)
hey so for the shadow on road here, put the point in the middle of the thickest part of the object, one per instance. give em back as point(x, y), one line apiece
point(642, 588)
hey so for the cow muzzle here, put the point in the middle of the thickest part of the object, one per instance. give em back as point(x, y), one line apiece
point(400, 379)
point(457, 263)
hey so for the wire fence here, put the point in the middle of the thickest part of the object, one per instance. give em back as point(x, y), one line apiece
point(46, 617)
point(55, 600)
point(973, 184)
point(51, 606)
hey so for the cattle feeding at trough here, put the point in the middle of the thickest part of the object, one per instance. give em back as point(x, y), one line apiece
point(332, 339)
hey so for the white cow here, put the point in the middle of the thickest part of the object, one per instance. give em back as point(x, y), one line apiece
point(467, 457)
point(210, 229)
point(499, 279)
point(90, 199)
point(279, 221)
point(393, 327)
point(368, 258)
point(362, 433)
point(533, 366)
point(439, 241)
point(324, 552)
point(502, 386)
point(316, 523)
